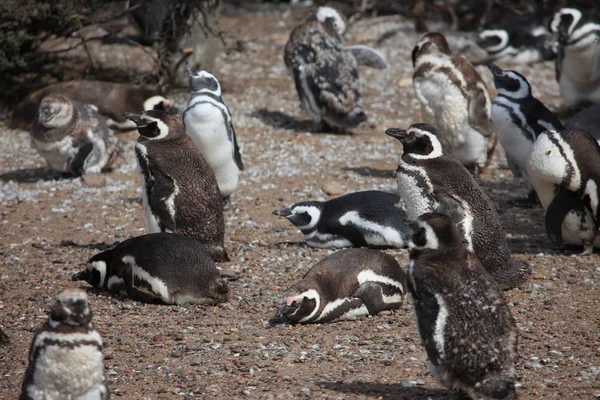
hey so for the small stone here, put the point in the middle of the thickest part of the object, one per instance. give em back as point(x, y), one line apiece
point(157, 338)
point(176, 353)
point(405, 82)
point(229, 274)
point(94, 180)
point(332, 188)
point(196, 361)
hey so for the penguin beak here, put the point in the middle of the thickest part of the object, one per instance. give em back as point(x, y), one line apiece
point(281, 315)
point(282, 212)
point(137, 119)
point(84, 275)
point(396, 133)
point(495, 70)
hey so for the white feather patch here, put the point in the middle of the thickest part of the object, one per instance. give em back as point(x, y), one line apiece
point(311, 294)
point(591, 189)
point(100, 266)
point(157, 286)
point(314, 212)
point(382, 235)
point(440, 326)
point(371, 276)
point(499, 33)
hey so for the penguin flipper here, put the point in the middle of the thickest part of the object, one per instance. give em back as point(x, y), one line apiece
point(564, 201)
point(367, 56)
point(78, 162)
point(427, 309)
point(372, 294)
point(161, 195)
point(479, 117)
point(237, 155)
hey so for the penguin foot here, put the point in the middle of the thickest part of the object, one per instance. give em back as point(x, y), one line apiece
point(588, 248)
point(227, 205)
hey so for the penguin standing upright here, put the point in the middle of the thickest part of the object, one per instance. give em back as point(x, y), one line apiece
point(564, 168)
point(454, 97)
point(578, 61)
point(325, 72)
point(65, 359)
point(464, 322)
point(172, 268)
point(346, 284)
point(207, 120)
point(180, 192)
point(430, 179)
point(72, 137)
point(587, 120)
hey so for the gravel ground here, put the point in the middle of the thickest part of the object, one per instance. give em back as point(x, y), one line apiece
point(51, 226)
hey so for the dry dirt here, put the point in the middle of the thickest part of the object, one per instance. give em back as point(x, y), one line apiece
point(51, 226)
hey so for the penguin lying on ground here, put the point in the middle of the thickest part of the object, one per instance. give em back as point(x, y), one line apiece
point(344, 285)
point(564, 168)
point(65, 359)
point(167, 267)
point(464, 322)
point(72, 137)
point(368, 218)
point(430, 179)
point(180, 192)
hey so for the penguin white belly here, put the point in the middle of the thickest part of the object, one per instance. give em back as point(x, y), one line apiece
point(415, 198)
point(474, 150)
point(374, 234)
point(580, 75)
point(516, 145)
point(57, 154)
point(326, 240)
point(151, 220)
point(578, 230)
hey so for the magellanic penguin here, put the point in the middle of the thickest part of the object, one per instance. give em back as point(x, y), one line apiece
point(518, 117)
point(368, 218)
point(325, 72)
point(180, 192)
point(65, 358)
point(207, 120)
point(430, 179)
point(564, 168)
point(345, 285)
point(522, 39)
point(72, 137)
point(578, 60)
point(464, 322)
point(587, 120)
point(454, 97)
point(164, 267)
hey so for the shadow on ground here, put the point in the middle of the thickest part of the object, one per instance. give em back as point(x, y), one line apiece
point(33, 175)
point(387, 391)
point(374, 172)
point(278, 119)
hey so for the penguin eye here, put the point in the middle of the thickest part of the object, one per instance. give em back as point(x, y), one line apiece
point(549, 152)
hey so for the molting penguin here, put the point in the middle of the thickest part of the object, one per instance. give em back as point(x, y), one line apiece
point(518, 117)
point(72, 137)
point(464, 322)
point(578, 61)
point(65, 359)
point(564, 168)
point(325, 73)
point(369, 218)
point(522, 39)
point(167, 267)
point(344, 285)
point(430, 179)
point(454, 97)
point(207, 120)
point(180, 192)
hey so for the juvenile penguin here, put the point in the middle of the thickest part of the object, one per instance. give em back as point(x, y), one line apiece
point(167, 267)
point(72, 137)
point(564, 168)
point(519, 118)
point(369, 218)
point(463, 320)
point(207, 120)
point(65, 358)
point(180, 192)
point(344, 285)
point(430, 179)
point(454, 97)
point(325, 72)
point(578, 60)
point(522, 39)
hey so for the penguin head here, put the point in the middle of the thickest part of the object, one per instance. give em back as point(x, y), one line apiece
point(331, 18)
point(156, 124)
point(435, 231)
point(552, 160)
point(430, 43)
point(72, 308)
point(160, 103)
point(421, 141)
point(510, 83)
point(55, 111)
point(97, 271)
point(202, 81)
point(493, 41)
point(304, 215)
point(564, 23)
point(300, 303)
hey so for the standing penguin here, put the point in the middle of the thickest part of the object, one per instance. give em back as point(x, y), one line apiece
point(564, 168)
point(454, 97)
point(367, 218)
point(72, 137)
point(464, 322)
point(346, 284)
point(325, 72)
point(207, 120)
point(172, 268)
point(578, 61)
point(430, 179)
point(587, 120)
point(180, 192)
point(65, 359)
point(519, 118)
